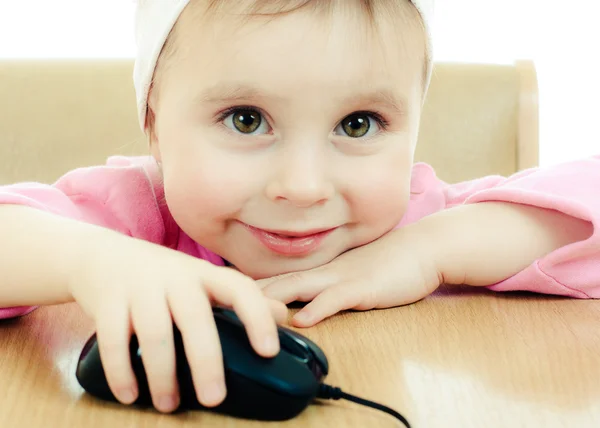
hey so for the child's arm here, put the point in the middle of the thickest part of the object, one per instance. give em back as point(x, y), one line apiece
point(37, 256)
point(535, 231)
point(92, 195)
point(556, 210)
point(486, 243)
point(75, 241)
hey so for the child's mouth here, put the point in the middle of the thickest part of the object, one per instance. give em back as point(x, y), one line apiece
point(291, 243)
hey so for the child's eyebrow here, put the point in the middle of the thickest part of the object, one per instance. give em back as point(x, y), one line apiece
point(236, 92)
point(230, 92)
point(384, 97)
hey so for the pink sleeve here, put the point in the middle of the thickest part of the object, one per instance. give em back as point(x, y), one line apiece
point(571, 188)
point(119, 196)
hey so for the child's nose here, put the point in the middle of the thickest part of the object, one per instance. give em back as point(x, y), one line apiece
point(301, 179)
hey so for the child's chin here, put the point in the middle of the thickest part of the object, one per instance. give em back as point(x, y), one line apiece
point(277, 268)
point(258, 271)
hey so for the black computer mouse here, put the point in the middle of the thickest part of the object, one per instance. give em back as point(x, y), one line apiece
point(259, 388)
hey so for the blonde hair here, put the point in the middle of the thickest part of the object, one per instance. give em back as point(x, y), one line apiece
point(403, 11)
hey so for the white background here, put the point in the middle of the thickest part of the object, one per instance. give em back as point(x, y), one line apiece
point(562, 37)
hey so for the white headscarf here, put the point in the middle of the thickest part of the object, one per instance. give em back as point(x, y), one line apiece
point(154, 20)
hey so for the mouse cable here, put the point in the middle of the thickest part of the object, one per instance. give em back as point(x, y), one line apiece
point(329, 392)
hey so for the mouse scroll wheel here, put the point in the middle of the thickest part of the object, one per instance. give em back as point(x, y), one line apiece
point(295, 347)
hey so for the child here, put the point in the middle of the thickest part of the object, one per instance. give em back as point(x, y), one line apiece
point(282, 136)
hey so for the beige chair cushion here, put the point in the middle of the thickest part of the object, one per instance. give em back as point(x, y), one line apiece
point(56, 115)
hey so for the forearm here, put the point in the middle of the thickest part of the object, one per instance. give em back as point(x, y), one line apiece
point(38, 252)
point(482, 244)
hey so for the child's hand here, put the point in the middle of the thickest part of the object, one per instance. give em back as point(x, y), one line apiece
point(459, 245)
point(394, 270)
point(131, 286)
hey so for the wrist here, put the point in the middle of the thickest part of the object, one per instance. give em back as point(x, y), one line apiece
point(85, 244)
point(38, 259)
point(415, 242)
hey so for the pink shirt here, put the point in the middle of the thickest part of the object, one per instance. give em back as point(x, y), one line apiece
point(125, 195)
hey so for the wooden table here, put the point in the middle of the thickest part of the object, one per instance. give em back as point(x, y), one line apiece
point(462, 358)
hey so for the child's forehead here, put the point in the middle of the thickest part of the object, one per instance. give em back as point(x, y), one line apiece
point(342, 47)
point(399, 13)
point(343, 21)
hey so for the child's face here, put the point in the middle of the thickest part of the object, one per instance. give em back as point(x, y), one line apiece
point(297, 125)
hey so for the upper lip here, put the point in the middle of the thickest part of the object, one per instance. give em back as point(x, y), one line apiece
point(295, 233)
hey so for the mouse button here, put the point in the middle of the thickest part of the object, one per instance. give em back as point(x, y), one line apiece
point(284, 372)
point(232, 329)
point(294, 346)
point(316, 352)
point(226, 315)
point(234, 341)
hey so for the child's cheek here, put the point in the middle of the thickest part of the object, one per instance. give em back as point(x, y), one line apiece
point(379, 200)
point(201, 196)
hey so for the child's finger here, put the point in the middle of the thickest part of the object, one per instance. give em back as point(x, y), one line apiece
point(234, 289)
point(279, 310)
point(300, 286)
point(331, 301)
point(154, 329)
point(113, 333)
point(193, 315)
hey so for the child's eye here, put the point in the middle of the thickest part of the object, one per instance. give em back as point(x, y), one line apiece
point(358, 125)
point(246, 121)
